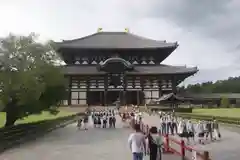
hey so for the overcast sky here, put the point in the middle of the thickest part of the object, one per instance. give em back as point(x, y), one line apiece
point(208, 31)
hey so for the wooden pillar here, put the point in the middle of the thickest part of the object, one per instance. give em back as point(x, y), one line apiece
point(174, 85)
point(133, 82)
point(70, 91)
point(142, 88)
point(138, 97)
point(105, 89)
point(124, 88)
point(159, 88)
point(101, 98)
point(88, 86)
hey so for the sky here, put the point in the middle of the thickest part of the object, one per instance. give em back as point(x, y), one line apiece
point(208, 31)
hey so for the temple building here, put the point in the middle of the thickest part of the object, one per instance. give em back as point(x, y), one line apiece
point(106, 67)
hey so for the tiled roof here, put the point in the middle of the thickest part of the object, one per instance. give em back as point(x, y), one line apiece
point(112, 40)
point(145, 69)
point(172, 96)
point(212, 95)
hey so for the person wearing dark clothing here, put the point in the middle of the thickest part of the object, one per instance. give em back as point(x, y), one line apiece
point(154, 144)
point(104, 121)
point(99, 121)
point(95, 121)
point(209, 130)
point(79, 123)
point(110, 120)
point(114, 121)
point(85, 122)
point(174, 126)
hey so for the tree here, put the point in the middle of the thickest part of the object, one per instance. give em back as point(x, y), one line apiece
point(230, 85)
point(30, 82)
point(224, 102)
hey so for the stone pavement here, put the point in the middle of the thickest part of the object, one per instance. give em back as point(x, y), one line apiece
point(71, 144)
point(228, 148)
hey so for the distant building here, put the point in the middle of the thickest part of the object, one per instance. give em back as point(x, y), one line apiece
point(214, 98)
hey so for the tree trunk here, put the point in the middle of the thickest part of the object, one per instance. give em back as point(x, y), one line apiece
point(10, 119)
point(11, 114)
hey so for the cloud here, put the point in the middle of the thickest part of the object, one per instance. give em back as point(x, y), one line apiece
point(207, 30)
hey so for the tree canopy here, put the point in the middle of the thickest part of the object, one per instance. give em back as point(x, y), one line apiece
point(30, 82)
point(230, 85)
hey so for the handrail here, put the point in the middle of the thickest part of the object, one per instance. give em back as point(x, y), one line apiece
point(199, 155)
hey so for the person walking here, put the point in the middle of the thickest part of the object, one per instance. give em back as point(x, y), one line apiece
point(200, 128)
point(114, 121)
point(154, 144)
point(217, 134)
point(164, 126)
point(209, 127)
point(137, 143)
point(85, 122)
point(79, 123)
point(191, 130)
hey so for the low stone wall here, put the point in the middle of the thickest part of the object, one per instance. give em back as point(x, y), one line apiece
point(15, 135)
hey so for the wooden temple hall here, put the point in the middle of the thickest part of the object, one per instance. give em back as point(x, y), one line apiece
point(106, 67)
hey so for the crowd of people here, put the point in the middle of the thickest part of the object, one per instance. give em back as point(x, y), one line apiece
point(101, 119)
point(203, 130)
point(151, 144)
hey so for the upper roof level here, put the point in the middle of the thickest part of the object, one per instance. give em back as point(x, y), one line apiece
point(114, 40)
point(106, 44)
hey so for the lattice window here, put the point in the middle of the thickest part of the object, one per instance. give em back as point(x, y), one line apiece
point(155, 83)
point(137, 83)
point(82, 95)
point(100, 83)
point(147, 84)
point(155, 94)
point(74, 95)
point(92, 84)
point(75, 84)
point(83, 84)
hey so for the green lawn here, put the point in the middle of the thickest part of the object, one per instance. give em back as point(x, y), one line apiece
point(35, 118)
point(223, 112)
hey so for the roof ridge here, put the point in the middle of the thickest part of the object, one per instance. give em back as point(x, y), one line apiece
point(116, 32)
point(88, 36)
point(145, 38)
point(76, 39)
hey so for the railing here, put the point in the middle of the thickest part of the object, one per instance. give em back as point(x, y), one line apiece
point(171, 145)
point(12, 136)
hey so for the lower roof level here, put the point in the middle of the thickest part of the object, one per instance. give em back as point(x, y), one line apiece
point(138, 70)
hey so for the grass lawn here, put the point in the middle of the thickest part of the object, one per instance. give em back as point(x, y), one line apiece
point(35, 118)
point(223, 112)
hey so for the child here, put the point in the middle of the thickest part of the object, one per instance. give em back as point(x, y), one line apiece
point(85, 122)
point(79, 123)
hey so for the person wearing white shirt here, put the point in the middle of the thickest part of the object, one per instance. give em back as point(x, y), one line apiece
point(190, 130)
point(137, 143)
